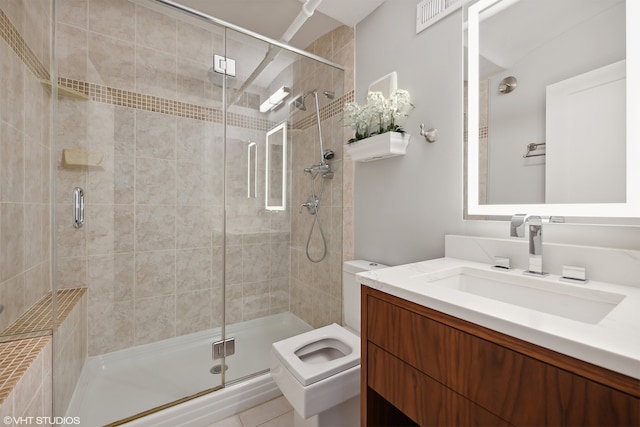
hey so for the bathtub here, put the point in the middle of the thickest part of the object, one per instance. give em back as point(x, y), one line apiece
point(119, 385)
point(214, 406)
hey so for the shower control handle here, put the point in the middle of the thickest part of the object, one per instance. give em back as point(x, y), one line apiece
point(311, 204)
point(304, 205)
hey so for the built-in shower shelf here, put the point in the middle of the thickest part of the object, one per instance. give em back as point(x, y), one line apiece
point(73, 158)
point(64, 91)
point(377, 147)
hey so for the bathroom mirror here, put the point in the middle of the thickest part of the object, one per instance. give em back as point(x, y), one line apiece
point(276, 168)
point(556, 78)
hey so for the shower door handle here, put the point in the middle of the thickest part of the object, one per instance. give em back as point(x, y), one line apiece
point(78, 207)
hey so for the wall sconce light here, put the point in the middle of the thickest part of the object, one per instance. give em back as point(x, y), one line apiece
point(274, 100)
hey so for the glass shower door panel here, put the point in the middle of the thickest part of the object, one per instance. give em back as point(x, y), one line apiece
point(150, 251)
point(258, 151)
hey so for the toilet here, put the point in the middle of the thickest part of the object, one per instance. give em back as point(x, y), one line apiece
point(318, 372)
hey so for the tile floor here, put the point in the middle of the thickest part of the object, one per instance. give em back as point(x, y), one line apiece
point(274, 413)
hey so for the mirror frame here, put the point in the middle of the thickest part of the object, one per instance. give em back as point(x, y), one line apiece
point(267, 185)
point(629, 209)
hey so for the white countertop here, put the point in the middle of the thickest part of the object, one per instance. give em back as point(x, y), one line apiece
point(613, 342)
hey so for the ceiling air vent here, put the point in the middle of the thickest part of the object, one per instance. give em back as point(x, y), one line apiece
point(431, 11)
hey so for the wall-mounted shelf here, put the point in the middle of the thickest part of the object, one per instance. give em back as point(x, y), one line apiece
point(383, 146)
point(64, 91)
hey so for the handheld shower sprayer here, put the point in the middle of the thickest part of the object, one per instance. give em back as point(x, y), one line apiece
point(323, 168)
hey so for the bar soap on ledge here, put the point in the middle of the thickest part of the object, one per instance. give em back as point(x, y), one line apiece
point(74, 158)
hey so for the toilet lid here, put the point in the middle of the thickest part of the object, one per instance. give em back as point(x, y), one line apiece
point(307, 372)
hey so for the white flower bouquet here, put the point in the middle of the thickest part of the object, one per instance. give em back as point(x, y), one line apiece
point(379, 115)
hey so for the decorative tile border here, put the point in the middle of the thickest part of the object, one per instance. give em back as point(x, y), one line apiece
point(15, 359)
point(140, 101)
point(13, 38)
point(40, 315)
point(129, 99)
point(125, 98)
point(483, 133)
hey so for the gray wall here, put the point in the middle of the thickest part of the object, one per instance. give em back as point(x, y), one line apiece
point(404, 206)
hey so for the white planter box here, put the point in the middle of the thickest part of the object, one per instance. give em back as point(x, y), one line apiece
point(389, 144)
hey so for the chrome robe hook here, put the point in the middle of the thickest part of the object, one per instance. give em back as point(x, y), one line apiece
point(431, 134)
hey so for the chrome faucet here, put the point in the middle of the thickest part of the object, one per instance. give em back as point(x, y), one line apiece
point(534, 222)
point(535, 246)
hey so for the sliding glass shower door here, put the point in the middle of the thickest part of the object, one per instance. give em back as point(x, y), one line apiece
point(270, 140)
point(142, 136)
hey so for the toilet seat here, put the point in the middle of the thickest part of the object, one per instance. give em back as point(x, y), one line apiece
point(318, 354)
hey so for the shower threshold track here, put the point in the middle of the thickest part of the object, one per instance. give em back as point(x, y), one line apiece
point(118, 385)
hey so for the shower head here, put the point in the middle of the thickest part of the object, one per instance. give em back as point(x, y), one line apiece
point(298, 102)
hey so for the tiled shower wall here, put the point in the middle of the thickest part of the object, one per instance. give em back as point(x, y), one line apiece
point(316, 288)
point(151, 248)
point(24, 155)
point(26, 380)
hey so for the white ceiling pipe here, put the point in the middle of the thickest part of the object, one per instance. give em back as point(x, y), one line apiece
point(307, 10)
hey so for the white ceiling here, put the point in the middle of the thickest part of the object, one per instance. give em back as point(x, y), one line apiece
point(507, 37)
point(271, 18)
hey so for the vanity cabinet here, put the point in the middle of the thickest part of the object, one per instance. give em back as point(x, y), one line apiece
point(421, 366)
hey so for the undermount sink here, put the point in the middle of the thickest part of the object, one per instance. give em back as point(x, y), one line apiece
point(564, 300)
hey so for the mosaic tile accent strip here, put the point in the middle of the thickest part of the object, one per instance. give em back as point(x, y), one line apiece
point(483, 133)
point(247, 122)
point(39, 316)
point(140, 101)
point(124, 98)
point(15, 359)
point(13, 38)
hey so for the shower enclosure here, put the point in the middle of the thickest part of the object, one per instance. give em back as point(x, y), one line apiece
point(180, 131)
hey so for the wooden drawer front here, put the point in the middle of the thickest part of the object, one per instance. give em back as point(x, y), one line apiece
point(526, 391)
point(419, 341)
point(518, 388)
point(421, 398)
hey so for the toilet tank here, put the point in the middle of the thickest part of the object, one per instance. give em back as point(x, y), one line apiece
point(351, 291)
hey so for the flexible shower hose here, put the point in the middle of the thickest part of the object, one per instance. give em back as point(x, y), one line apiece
point(316, 220)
